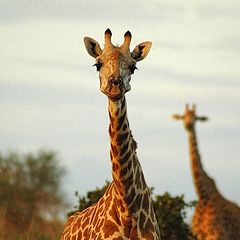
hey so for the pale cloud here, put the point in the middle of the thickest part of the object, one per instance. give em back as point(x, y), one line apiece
point(218, 9)
point(228, 44)
point(76, 10)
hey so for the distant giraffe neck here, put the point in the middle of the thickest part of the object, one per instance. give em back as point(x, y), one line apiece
point(126, 169)
point(204, 185)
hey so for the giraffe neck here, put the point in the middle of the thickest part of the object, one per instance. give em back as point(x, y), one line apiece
point(126, 170)
point(204, 185)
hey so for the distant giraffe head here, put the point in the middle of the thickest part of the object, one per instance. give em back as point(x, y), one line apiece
point(189, 117)
point(116, 64)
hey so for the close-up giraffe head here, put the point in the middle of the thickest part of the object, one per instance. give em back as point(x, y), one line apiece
point(116, 64)
point(189, 117)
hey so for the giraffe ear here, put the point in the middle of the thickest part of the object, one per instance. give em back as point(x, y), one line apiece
point(93, 47)
point(203, 119)
point(141, 51)
point(177, 117)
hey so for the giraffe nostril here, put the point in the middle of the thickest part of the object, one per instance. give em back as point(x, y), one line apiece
point(116, 82)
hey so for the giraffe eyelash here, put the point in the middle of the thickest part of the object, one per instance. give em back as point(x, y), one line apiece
point(132, 68)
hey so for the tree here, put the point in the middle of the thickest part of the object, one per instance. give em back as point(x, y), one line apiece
point(30, 196)
point(170, 212)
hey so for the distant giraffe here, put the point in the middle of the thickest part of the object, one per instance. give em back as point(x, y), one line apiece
point(125, 211)
point(215, 218)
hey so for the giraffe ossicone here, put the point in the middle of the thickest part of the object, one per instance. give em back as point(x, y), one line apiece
point(125, 212)
point(215, 217)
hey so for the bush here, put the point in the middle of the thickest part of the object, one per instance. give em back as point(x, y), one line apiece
point(30, 196)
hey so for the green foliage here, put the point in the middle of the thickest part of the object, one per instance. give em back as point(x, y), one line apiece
point(170, 212)
point(30, 196)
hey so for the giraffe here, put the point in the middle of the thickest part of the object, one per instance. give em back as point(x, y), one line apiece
point(125, 211)
point(215, 218)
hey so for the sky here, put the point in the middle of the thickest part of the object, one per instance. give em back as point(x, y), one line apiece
point(50, 97)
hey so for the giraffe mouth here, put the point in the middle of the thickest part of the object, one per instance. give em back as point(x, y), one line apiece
point(114, 91)
point(115, 94)
point(115, 97)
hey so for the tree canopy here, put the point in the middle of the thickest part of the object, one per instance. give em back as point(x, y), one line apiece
point(30, 196)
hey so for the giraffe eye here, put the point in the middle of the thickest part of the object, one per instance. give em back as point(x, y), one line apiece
point(132, 68)
point(98, 66)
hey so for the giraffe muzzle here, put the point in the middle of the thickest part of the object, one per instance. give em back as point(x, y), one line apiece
point(115, 88)
point(116, 82)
